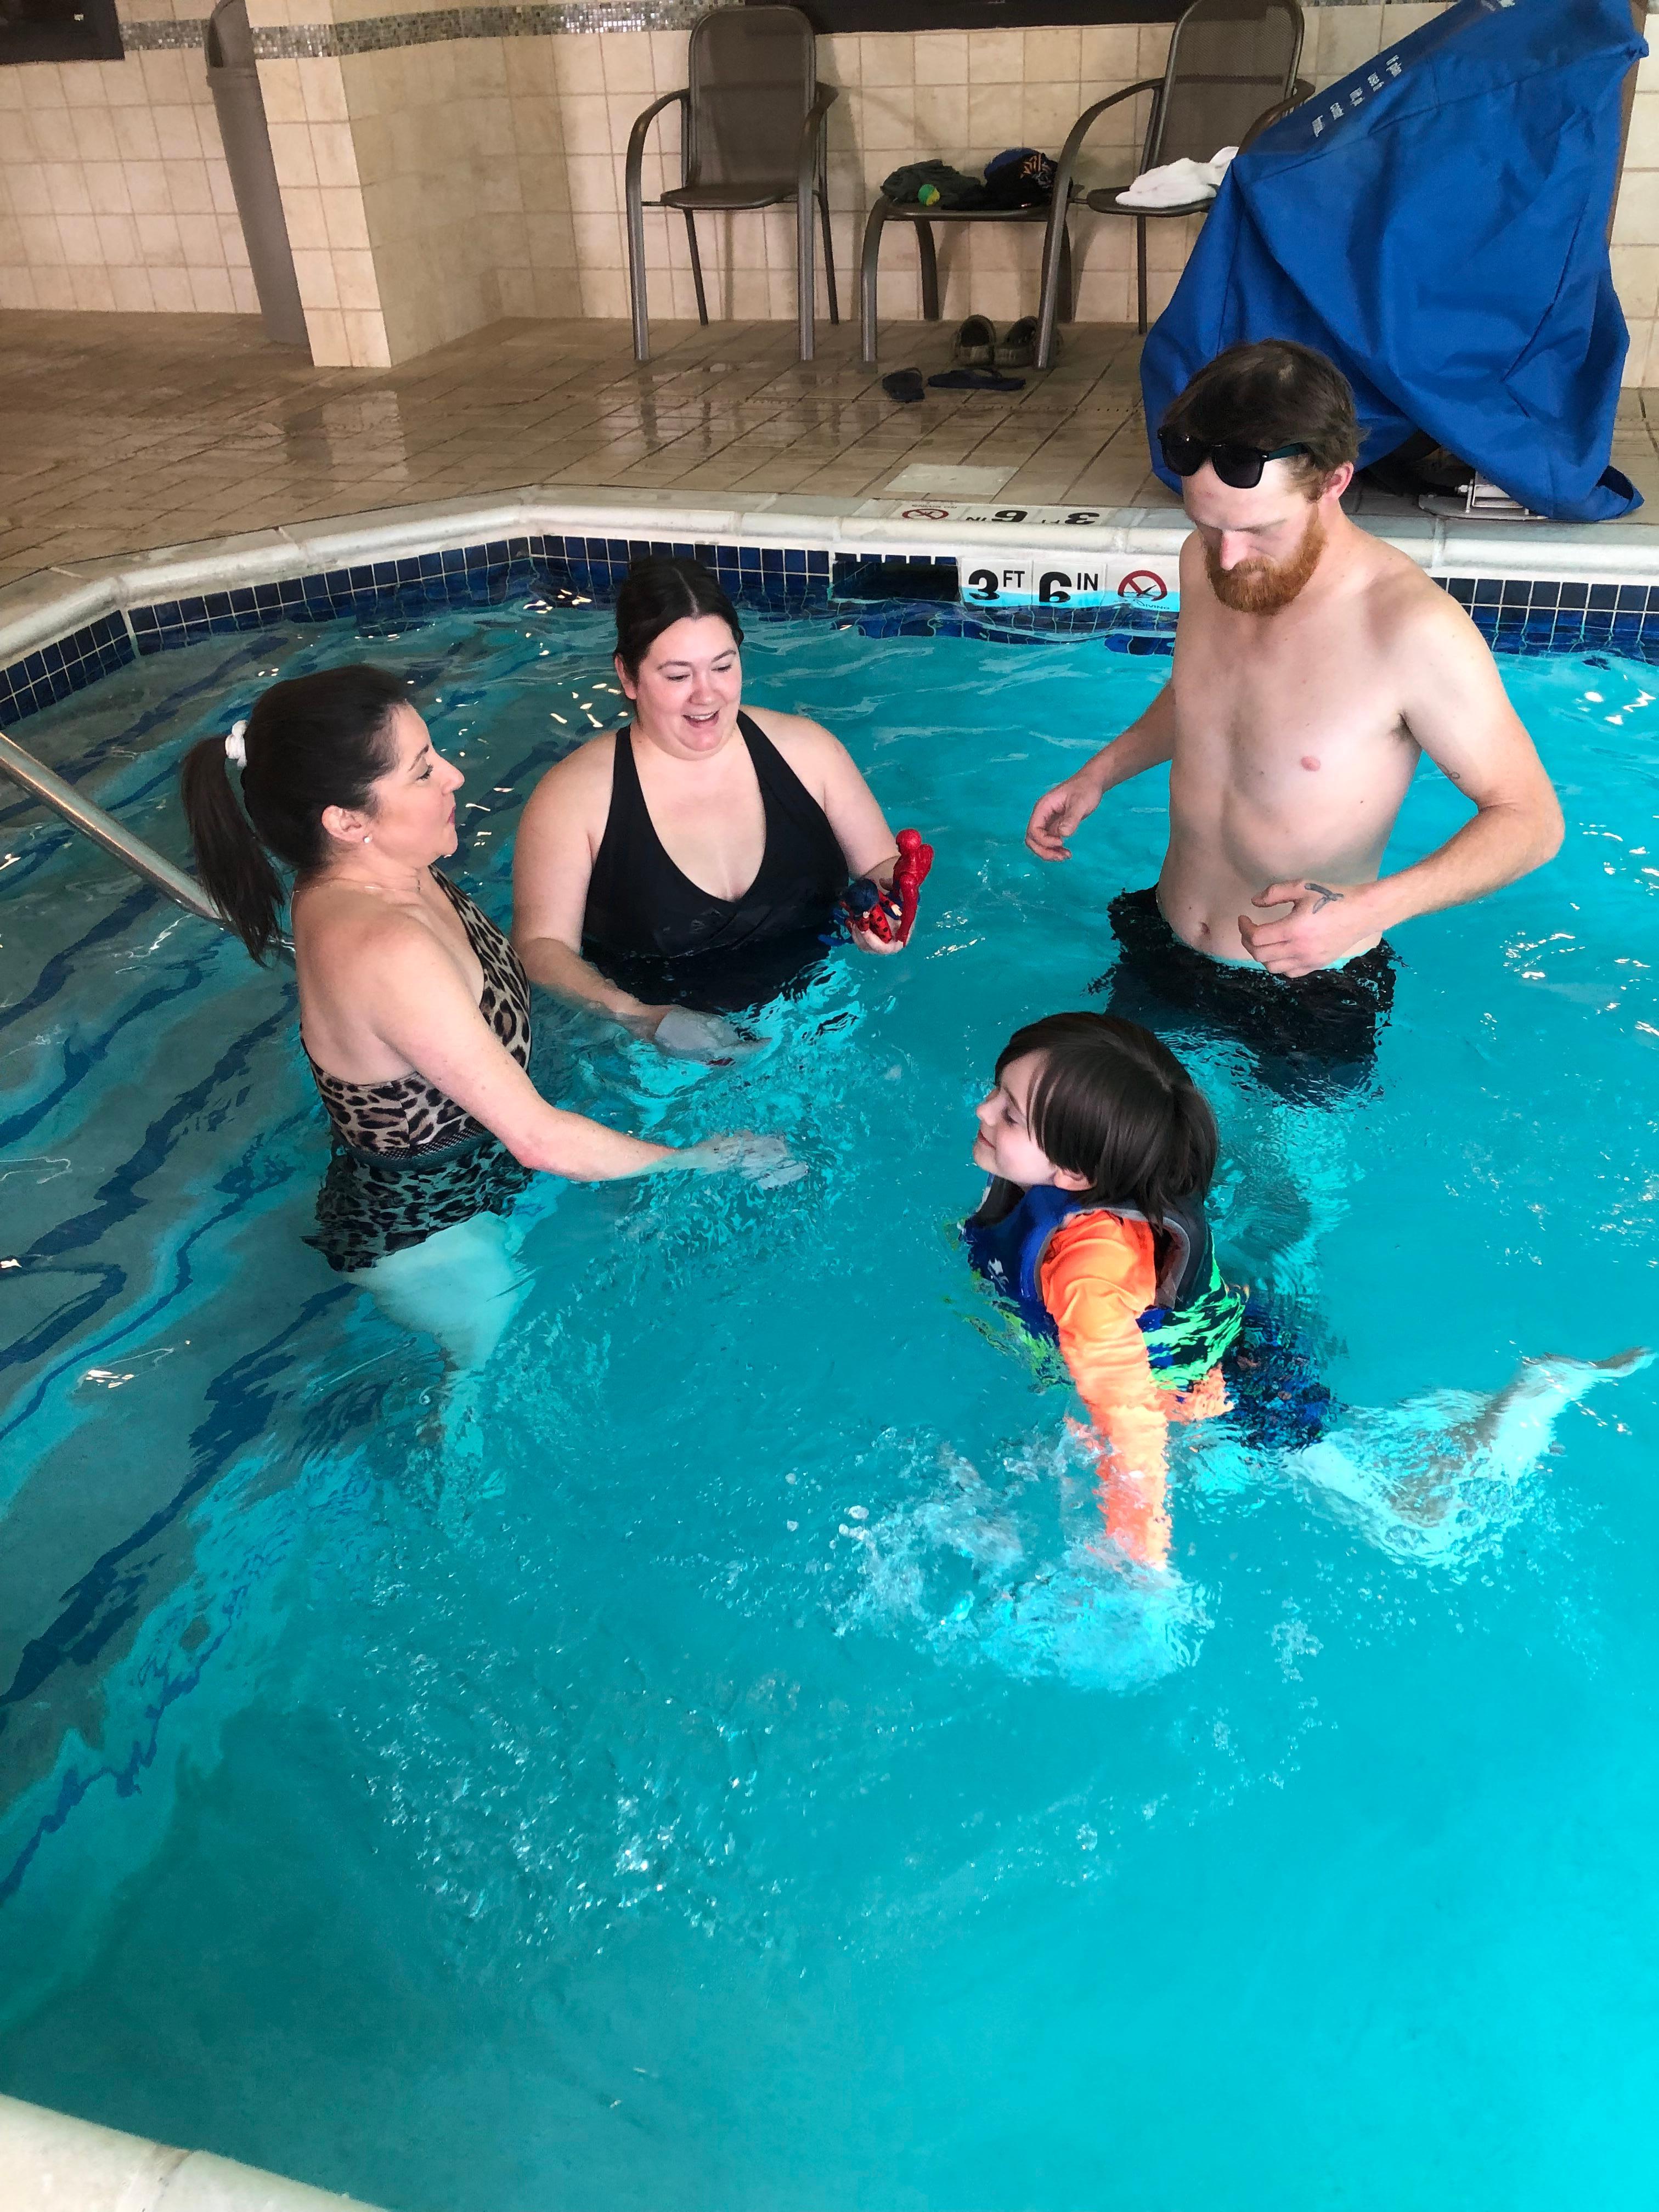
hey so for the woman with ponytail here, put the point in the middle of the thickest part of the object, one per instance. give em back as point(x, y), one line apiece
point(414, 1009)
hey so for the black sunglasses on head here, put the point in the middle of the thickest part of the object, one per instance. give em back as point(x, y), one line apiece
point(1240, 466)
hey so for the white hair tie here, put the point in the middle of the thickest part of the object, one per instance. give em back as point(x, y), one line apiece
point(235, 749)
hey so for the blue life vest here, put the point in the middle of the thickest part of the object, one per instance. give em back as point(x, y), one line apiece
point(1193, 1319)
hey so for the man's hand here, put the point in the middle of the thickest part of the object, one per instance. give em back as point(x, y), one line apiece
point(1059, 811)
point(1326, 921)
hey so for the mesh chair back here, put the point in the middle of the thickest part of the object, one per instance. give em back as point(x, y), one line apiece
point(1229, 59)
point(753, 77)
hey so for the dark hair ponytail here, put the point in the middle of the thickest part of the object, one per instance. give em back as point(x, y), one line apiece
point(310, 743)
point(1113, 1103)
point(657, 594)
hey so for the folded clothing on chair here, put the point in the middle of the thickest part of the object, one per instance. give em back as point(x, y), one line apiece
point(934, 183)
point(1178, 184)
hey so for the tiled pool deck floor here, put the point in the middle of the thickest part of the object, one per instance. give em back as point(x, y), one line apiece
point(122, 433)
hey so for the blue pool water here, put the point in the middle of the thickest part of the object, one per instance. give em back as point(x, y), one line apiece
point(741, 1791)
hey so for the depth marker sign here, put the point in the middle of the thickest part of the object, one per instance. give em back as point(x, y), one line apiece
point(1048, 579)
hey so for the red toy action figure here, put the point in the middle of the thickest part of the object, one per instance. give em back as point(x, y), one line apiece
point(892, 915)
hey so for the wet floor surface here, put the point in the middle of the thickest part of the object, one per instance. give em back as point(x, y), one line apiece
point(127, 432)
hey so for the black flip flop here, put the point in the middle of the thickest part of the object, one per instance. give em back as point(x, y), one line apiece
point(904, 385)
point(976, 379)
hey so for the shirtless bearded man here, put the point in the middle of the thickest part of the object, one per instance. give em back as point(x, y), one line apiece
point(1313, 665)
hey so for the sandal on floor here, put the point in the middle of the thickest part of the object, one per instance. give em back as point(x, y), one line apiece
point(904, 385)
point(1017, 348)
point(975, 343)
point(976, 379)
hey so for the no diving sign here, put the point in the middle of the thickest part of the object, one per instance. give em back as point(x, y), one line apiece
point(1044, 580)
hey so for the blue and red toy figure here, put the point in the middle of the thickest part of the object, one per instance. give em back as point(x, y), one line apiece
point(888, 912)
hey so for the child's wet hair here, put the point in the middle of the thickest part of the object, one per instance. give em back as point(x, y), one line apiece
point(1113, 1103)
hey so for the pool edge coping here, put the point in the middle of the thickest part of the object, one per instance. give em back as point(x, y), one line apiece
point(43, 608)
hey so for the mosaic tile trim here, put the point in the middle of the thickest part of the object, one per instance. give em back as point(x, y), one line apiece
point(894, 595)
point(164, 37)
point(538, 19)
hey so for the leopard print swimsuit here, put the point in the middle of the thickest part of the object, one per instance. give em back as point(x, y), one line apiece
point(408, 1161)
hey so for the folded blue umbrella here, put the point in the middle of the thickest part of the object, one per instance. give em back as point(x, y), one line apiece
point(1437, 223)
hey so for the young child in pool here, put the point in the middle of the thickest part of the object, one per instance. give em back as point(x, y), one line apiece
point(1101, 1150)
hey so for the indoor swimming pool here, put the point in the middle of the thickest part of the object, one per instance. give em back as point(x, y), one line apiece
point(740, 1787)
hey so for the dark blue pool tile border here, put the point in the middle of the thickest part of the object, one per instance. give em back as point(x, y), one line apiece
point(872, 591)
point(52, 671)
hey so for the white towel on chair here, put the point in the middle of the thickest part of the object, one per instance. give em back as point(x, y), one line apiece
point(1177, 182)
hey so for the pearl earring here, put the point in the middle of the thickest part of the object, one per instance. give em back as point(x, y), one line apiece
point(366, 839)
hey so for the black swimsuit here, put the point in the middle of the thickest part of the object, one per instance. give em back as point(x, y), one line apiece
point(649, 928)
point(408, 1161)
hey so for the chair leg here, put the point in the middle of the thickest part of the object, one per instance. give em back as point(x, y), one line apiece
point(869, 259)
point(805, 273)
point(636, 296)
point(1051, 305)
point(829, 258)
point(696, 264)
point(1140, 273)
point(929, 271)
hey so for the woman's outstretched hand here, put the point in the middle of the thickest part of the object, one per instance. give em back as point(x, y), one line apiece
point(686, 1035)
point(764, 1161)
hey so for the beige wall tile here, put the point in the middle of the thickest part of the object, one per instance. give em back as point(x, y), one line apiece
point(1637, 220)
point(1347, 36)
point(594, 185)
point(171, 290)
point(244, 294)
point(996, 114)
point(82, 86)
point(53, 289)
point(53, 133)
point(1636, 280)
point(188, 189)
point(333, 153)
point(93, 293)
point(996, 56)
point(133, 291)
point(626, 56)
point(1641, 146)
point(1111, 51)
point(887, 119)
point(210, 293)
point(941, 57)
point(135, 135)
point(670, 64)
point(314, 274)
point(66, 188)
point(1052, 57)
point(585, 118)
point(79, 236)
point(94, 131)
point(177, 134)
point(322, 89)
point(838, 58)
point(147, 187)
point(280, 89)
point(941, 121)
point(326, 329)
point(198, 237)
point(887, 58)
point(1048, 112)
point(106, 188)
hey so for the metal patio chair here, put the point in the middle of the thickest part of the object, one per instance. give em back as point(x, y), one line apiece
point(751, 135)
point(911, 211)
point(1232, 63)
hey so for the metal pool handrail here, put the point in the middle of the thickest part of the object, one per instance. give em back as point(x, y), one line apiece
point(104, 829)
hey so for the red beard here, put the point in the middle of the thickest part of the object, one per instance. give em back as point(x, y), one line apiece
point(1263, 587)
